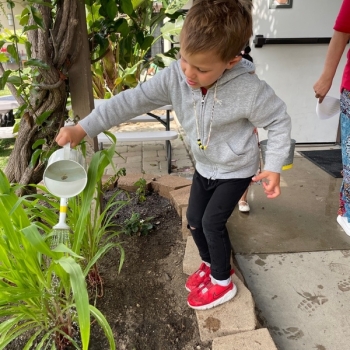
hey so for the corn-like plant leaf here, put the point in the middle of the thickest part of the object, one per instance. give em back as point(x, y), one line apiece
point(5, 187)
point(101, 320)
point(101, 252)
point(97, 165)
point(13, 295)
point(16, 331)
point(61, 248)
point(80, 295)
point(31, 340)
point(42, 342)
point(36, 239)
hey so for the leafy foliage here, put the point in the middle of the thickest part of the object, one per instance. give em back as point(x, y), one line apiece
point(43, 291)
point(121, 35)
point(137, 226)
point(141, 189)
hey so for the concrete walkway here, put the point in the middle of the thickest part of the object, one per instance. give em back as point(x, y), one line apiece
point(292, 259)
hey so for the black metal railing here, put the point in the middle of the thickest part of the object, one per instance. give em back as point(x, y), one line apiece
point(260, 41)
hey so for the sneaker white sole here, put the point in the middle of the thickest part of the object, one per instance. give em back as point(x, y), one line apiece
point(228, 296)
point(244, 210)
point(343, 222)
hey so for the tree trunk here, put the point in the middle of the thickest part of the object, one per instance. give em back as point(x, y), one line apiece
point(56, 46)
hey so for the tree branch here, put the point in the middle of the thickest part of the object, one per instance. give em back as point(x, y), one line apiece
point(11, 87)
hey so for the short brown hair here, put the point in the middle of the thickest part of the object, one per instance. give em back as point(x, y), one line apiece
point(223, 26)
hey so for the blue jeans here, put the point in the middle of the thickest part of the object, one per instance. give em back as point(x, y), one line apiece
point(344, 203)
point(210, 205)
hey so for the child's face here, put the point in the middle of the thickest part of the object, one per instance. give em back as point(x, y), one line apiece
point(203, 69)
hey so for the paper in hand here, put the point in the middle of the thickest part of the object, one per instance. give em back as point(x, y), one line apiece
point(330, 107)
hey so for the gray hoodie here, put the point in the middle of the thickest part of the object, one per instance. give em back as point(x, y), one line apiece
point(243, 102)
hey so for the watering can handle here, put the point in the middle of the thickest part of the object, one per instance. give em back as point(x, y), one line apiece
point(66, 151)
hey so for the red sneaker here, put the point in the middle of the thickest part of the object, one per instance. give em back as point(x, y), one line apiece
point(202, 275)
point(211, 295)
point(206, 281)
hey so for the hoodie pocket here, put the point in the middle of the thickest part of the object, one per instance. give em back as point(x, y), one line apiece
point(232, 157)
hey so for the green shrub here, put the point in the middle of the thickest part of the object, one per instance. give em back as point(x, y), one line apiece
point(137, 226)
point(43, 291)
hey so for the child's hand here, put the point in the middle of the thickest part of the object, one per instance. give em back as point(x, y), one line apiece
point(70, 134)
point(271, 184)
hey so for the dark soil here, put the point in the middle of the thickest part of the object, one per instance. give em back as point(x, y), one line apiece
point(146, 303)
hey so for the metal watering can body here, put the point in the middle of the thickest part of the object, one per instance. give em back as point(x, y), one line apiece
point(65, 175)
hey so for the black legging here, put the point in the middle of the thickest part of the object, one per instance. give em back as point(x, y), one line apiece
point(210, 205)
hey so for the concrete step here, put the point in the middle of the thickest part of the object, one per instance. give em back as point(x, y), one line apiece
point(259, 339)
point(168, 183)
point(179, 198)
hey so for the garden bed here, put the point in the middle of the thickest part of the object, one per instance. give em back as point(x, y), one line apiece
point(146, 303)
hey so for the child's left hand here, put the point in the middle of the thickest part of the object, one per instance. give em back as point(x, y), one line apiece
point(271, 184)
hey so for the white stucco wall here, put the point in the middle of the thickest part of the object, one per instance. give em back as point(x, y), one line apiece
point(307, 18)
point(293, 69)
point(3, 17)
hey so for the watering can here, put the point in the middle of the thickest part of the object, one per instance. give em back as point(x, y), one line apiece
point(65, 175)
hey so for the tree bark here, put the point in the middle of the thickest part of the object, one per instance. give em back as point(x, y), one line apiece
point(56, 46)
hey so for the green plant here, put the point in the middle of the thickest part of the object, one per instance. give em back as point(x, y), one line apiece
point(121, 34)
point(42, 291)
point(141, 189)
point(91, 222)
point(113, 180)
point(64, 270)
point(137, 226)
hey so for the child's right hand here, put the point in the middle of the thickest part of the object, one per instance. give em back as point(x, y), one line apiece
point(70, 134)
point(270, 182)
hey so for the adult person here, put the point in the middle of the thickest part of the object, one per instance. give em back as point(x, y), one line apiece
point(337, 45)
